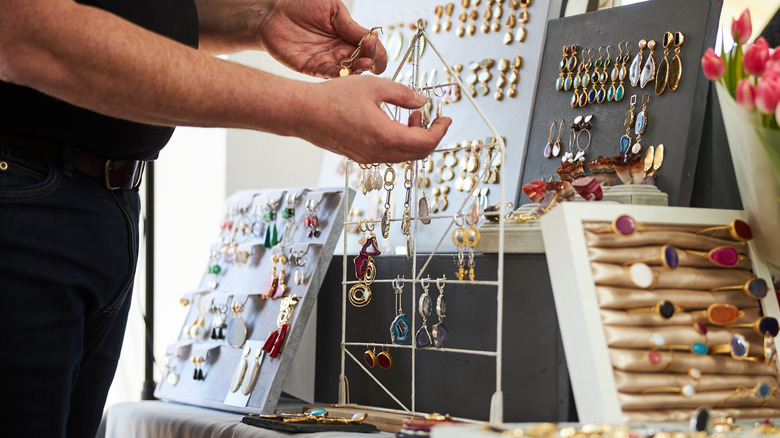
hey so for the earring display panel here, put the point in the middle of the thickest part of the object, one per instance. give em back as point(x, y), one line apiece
point(663, 310)
point(635, 70)
point(480, 39)
point(260, 284)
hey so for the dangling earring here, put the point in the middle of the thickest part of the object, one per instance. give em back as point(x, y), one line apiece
point(556, 149)
point(389, 183)
point(383, 359)
point(571, 64)
point(238, 374)
point(270, 286)
point(310, 219)
point(613, 76)
point(663, 69)
point(365, 270)
point(369, 356)
point(675, 68)
point(522, 18)
point(461, 17)
point(460, 239)
point(640, 125)
point(581, 151)
point(620, 91)
point(197, 361)
point(213, 270)
point(498, 14)
point(548, 147)
point(281, 285)
point(648, 71)
point(437, 12)
point(582, 99)
point(636, 65)
point(473, 240)
point(237, 328)
point(628, 122)
point(269, 216)
point(399, 328)
point(575, 97)
point(443, 203)
point(218, 325)
point(594, 78)
point(562, 69)
point(471, 79)
point(273, 344)
point(503, 66)
point(423, 209)
point(448, 9)
point(511, 22)
point(601, 96)
point(439, 331)
point(514, 77)
point(473, 16)
point(484, 76)
point(423, 337)
point(251, 374)
point(575, 128)
point(487, 16)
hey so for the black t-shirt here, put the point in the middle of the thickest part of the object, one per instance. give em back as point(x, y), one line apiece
point(31, 114)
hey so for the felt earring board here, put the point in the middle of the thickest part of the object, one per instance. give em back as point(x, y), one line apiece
point(231, 316)
point(674, 118)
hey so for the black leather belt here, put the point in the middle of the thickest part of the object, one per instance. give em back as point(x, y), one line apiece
point(114, 174)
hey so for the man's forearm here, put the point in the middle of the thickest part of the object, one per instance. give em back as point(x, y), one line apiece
point(228, 26)
point(117, 68)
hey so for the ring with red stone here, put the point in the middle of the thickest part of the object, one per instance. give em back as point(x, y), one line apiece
point(667, 256)
point(763, 326)
point(722, 314)
point(738, 230)
point(664, 308)
point(723, 256)
point(738, 347)
point(754, 288)
point(655, 358)
point(624, 226)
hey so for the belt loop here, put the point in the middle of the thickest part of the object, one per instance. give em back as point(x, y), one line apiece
point(66, 152)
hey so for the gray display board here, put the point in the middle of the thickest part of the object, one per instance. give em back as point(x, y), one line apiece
point(244, 284)
point(675, 118)
point(510, 116)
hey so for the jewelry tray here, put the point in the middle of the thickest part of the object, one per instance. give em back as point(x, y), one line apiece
point(607, 331)
point(243, 284)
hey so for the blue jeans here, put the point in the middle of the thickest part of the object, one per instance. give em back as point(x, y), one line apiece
point(68, 252)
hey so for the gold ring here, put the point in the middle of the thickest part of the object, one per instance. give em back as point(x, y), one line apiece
point(668, 257)
point(754, 288)
point(624, 226)
point(664, 308)
point(723, 256)
point(738, 348)
point(738, 229)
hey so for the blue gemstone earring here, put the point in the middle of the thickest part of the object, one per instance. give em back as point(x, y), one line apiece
point(424, 307)
point(640, 125)
point(625, 140)
point(440, 332)
point(399, 328)
point(636, 65)
point(648, 71)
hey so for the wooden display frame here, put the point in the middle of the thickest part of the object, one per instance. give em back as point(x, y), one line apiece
point(582, 331)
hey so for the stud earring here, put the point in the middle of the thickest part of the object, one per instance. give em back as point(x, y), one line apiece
point(662, 76)
point(439, 331)
point(522, 18)
point(514, 77)
point(640, 125)
point(635, 70)
point(648, 71)
point(675, 68)
point(628, 122)
point(503, 66)
point(559, 83)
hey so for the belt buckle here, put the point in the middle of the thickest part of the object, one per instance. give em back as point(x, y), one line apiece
point(138, 170)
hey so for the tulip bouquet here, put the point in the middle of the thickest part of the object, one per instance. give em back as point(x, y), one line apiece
point(747, 81)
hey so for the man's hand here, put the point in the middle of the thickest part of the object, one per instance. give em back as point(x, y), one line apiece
point(315, 36)
point(344, 116)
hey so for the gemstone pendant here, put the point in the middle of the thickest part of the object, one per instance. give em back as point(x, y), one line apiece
point(237, 332)
point(424, 211)
point(675, 73)
point(640, 123)
point(399, 330)
point(440, 334)
point(635, 69)
point(548, 150)
point(625, 143)
point(556, 149)
point(648, 72)
point(423, 338)
point(662, 77)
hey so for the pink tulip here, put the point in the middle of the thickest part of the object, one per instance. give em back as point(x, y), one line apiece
point(772, 69)
point(768, 94)
point(741, 28)
point(712, 65)
point(746, 95)
point(775, 55)
point(756, 56)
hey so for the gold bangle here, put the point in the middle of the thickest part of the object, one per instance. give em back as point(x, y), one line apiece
point(754, 288)
point(624, 226)
point(667, 256)
point(738, 229)
point(664, 308)
point(722, 256)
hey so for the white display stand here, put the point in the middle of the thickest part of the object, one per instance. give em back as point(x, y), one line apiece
point(582, 331)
